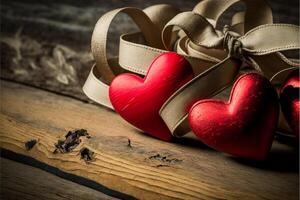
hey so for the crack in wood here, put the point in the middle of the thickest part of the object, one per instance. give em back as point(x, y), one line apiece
point(160, 165)
point(164, 159)
point(129, 143)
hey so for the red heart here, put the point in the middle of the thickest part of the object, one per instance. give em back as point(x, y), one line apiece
point(244, 126)
point(138, 100)
point(290, 102)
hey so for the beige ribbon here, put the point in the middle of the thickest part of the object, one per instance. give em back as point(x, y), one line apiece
point(223, 73)
point(215, 55)
point(96, 85)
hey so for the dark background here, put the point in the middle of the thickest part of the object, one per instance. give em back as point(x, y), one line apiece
point(47, 43)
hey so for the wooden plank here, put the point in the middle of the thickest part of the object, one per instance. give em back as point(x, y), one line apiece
point(146, 169)
point(19, 181)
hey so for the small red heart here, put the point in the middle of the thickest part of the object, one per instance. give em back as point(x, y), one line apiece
point(290, 102)
point(244, 126)
point(138, 100)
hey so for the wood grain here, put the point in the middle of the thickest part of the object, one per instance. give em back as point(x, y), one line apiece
point(149, 168)
point(21, 181)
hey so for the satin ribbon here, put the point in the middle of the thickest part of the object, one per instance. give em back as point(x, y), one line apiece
point(215, 55)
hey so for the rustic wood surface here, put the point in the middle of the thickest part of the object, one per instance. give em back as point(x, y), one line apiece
point(145, 168)
point(19, 181)
point(45, 44)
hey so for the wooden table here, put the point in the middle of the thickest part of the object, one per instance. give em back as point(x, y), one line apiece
point(45, 58)
point(145, 168)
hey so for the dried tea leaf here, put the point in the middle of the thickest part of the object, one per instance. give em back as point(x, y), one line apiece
point(72, 140)
point(86, 154)
point(30, 144)
point(62, 78)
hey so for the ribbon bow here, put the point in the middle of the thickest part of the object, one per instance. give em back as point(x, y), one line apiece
point(232, 44)
point(216, 56)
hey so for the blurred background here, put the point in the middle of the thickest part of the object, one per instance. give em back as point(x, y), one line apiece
point(46, 44)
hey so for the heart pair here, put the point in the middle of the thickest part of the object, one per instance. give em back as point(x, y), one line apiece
point(243, 126)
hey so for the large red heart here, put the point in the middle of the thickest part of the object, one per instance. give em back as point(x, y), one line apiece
point(290, 102)
point(138, 100)
point(244, 126)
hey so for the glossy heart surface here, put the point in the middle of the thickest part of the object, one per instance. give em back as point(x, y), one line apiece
point(290, 102)
point(244, 126)
point(138, 99)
